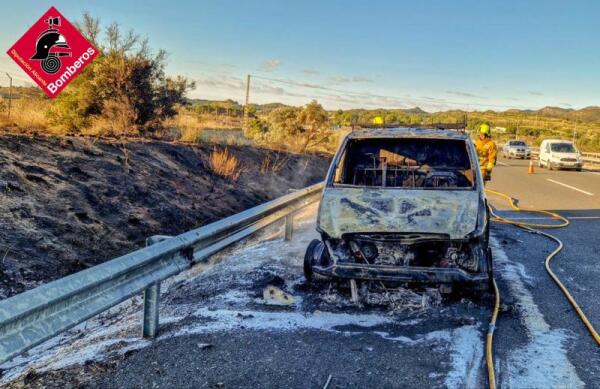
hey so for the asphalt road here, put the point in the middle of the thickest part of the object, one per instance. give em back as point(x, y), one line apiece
point(556, 190)
point(218, 331)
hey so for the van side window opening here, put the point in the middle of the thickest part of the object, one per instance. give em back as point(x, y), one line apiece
point(405, 163)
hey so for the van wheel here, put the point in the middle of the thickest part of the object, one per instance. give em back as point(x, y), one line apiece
point(309, 259)
point(316, 254)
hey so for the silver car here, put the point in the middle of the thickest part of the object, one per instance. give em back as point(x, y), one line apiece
point(516, 149)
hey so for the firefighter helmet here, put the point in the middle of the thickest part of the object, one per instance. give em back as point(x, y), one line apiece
point(47, 40)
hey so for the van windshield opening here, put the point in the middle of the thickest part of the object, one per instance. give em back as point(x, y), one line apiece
point(562, 148)
point(405, 163)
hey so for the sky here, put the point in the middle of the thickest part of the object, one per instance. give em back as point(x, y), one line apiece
point(437, 55)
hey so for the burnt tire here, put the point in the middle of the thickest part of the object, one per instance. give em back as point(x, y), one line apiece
point(309, 258)
point(486, 285)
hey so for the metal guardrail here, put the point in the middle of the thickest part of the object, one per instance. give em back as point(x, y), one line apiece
point(34, 316)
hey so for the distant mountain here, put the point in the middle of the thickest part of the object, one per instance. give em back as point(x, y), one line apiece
point(266, 108)
point(556, 112)
point(415, 111)
point(272, 105)
point(198, 101)
point(586, 115)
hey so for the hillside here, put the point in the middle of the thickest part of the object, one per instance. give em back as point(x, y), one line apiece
point(69, 203)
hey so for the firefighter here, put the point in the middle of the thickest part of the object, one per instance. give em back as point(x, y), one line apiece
point(486, 151)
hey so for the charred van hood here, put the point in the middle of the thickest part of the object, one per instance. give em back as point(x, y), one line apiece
point(368, 210)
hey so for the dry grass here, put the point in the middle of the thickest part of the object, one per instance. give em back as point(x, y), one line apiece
point(190, 134)
point(220, 122)
point(189, 126)
point(26, 114)
point(273, 164)
point(224, 164)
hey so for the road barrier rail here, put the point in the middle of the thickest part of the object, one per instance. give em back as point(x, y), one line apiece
point(34, 316)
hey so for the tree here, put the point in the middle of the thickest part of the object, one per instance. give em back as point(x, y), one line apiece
point(124, 90)
point(257, 131)
point(315, 126)
point(298, 129)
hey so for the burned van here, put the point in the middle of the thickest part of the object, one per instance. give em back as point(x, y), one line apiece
point(403, 205)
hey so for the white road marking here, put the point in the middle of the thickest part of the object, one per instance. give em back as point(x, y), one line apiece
point(502, 163)
point(570, 187)
point(542, 362)
point(596, 173)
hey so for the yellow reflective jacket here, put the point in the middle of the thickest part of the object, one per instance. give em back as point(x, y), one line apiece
point(486, 151)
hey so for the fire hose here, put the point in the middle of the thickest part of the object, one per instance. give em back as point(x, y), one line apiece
point(534, 228)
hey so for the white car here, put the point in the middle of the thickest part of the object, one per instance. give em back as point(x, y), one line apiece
point(559, 154)
point(516, 149)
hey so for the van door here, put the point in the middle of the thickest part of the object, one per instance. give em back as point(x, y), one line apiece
point(546, 153)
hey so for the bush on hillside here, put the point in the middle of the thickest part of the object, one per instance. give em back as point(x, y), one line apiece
point(124, 91)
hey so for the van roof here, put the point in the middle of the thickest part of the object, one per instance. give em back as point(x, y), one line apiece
point(404, 132)
point(556, 141)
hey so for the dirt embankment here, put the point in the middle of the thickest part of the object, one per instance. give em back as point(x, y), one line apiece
point(69, 203)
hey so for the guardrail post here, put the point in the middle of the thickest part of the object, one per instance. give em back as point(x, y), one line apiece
point(151, 300)
point(289, 227)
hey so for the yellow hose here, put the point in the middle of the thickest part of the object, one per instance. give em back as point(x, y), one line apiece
point(489, 355)
point(511, 201)
point(534, 228)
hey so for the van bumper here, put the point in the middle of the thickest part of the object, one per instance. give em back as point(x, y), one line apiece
point(400, 273)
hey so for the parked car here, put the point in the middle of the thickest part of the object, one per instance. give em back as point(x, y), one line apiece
point(402, 206)
point(516, 149)
point(559, 154)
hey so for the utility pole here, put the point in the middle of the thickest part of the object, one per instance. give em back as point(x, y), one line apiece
point(9, 93)
point(246, 107)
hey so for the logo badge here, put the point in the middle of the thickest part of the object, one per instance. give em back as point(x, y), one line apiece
point(53, 52)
